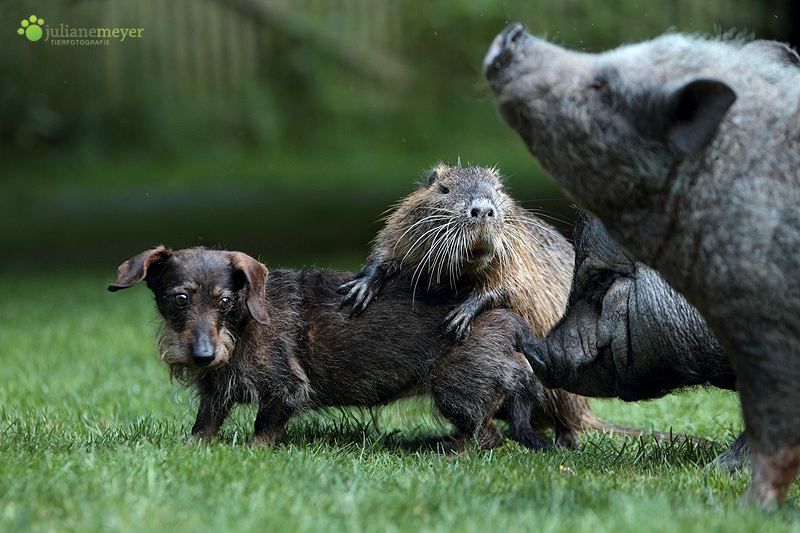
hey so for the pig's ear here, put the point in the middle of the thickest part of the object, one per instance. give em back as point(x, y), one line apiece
point(774, 51)
point(137, 268)
point(254, 276)
point(694, 112)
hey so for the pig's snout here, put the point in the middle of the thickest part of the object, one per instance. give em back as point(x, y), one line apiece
point(543, 362)
point(502, 49)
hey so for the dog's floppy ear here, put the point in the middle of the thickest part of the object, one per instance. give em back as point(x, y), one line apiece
point(255, 277)
point(134, 269)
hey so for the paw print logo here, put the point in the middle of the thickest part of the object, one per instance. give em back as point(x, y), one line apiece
point(31, 28)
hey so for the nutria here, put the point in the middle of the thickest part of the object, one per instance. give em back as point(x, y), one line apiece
point(460, 231)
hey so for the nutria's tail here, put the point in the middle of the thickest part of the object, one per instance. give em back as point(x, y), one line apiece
point(590, 421)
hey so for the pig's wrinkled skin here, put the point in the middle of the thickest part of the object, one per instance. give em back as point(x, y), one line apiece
point(628, 334)
point(688, 150)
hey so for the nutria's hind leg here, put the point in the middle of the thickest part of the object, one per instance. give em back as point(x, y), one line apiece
point(567, 437)
point(517, 414)
point(566, 413)
point(472, 420)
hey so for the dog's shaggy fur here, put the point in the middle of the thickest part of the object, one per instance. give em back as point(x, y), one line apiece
point(281, 341)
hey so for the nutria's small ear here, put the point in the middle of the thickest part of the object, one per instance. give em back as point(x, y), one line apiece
point(255, 277)
point(135, 269)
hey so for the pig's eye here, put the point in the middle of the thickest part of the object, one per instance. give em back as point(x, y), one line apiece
point(603, 92)
point(603, 280)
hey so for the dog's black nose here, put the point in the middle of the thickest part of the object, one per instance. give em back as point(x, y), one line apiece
point(203, 351)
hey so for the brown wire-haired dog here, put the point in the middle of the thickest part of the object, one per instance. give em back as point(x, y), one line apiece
point(281, 341)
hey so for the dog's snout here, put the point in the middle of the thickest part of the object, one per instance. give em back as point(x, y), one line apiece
point(203, 350)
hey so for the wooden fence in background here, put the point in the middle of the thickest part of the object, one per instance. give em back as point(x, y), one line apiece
point(206, 50)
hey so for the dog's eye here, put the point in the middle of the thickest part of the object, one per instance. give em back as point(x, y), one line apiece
point(225, 303)
point(181, 299)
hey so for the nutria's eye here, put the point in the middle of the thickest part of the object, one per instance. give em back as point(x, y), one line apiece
point(225, 303)
point(603, 91)
point(443, 189)
point(181, 300)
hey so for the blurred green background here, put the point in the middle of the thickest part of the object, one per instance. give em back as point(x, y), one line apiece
point(283, 128)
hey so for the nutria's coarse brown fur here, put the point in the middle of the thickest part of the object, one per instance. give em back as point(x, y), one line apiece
point(460, 231)
point(280, 340)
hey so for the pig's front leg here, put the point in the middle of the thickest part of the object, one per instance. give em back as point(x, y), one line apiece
point(735, 457)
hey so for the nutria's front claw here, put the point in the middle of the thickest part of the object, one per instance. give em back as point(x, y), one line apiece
point(360, 291)
point(457, 323)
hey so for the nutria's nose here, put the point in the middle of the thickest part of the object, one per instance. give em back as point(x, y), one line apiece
point(481, 209)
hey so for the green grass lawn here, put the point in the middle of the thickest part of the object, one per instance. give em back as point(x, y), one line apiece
point(93, 438)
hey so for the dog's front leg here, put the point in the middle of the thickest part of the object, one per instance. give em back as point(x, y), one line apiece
point(210, 416)
point(272, 416)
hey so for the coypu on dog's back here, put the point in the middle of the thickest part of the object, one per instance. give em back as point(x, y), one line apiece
point(460, 231)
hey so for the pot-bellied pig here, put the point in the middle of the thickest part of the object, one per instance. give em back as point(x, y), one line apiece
point(688, 150)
